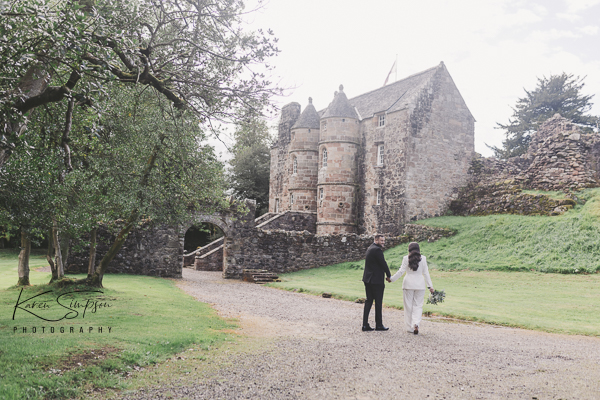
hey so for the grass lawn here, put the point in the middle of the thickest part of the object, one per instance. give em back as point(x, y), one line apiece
point(150, 320)
point(547, 302)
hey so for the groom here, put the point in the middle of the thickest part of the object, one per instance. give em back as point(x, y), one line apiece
point(375, 268)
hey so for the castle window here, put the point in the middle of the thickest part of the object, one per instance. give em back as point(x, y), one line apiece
point(276, 205)
point(321, 194)
point(381, 121)
point(295, 166)
point(380, 154)
point(291, 198)
point(324, 126)
point(324, 157)
point(377, 197)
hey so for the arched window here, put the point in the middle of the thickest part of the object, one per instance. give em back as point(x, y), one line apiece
point(324, 157)
point(295, 166)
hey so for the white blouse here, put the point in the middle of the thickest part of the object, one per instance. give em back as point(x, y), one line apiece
point(414, 279)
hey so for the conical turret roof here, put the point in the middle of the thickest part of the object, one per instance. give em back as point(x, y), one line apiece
point(340, 106)
point(309, 118)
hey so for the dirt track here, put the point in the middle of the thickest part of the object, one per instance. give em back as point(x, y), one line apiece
point(317, 350)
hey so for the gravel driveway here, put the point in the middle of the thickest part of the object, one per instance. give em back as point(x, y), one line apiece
point(317, 351)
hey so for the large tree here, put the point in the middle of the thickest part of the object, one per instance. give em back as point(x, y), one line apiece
point(193, 52)
point(250, 164)
point(557, 94)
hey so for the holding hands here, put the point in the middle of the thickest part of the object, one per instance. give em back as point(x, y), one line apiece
point(388, 279)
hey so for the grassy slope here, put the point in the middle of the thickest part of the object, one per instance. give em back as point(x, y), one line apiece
point(150, 318)
point(497, 246)
point(569, 243)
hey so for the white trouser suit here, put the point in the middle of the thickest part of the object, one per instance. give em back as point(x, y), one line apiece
point(413, 288)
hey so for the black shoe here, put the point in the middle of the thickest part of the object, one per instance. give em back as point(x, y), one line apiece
point(381, 328)
point(367, 328)
point(416, 331)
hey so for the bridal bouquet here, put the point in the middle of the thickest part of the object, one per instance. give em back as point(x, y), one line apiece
point(436, 297)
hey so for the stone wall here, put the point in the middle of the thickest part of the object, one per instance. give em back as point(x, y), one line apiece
point(422, 233)
point(148, 250)
point(287, 251)
point(210, 261)
point(388, 178)
point(190, 258)
point(291, 221)
point(280, 160)
point(440, 146)
point(283, 251)
point(560, 158)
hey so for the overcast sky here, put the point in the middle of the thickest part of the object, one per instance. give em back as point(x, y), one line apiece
point(493, 49)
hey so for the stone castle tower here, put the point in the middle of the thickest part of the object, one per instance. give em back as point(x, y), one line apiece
point(377, 161)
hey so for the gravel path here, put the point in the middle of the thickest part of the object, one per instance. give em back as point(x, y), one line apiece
point(317, 351)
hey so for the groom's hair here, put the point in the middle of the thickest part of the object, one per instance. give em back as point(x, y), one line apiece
point(377, 236)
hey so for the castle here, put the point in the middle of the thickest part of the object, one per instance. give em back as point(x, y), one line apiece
point(374, 162)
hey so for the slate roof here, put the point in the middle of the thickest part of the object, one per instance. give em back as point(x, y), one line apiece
point(340, 107)
point(392, 97)
point(309, 117)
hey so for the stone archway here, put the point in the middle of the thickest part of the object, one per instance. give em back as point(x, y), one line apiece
point(209, 257)
point(221, 254)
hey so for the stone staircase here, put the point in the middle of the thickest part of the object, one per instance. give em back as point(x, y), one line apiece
point(210, 257)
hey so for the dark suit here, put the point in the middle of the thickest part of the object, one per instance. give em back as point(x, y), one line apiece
point(375, 271)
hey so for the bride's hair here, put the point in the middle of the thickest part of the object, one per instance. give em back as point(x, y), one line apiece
point(414, 256)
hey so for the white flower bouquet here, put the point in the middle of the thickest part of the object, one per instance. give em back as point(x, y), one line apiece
point(436, 297)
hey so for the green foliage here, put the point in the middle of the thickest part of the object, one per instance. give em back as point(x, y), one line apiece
point(556, 94)
point(44, 365)
point(194, 54)
point(250, 164)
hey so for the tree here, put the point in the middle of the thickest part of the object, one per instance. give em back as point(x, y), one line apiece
point(250, 164)
point(194, 53)
point(556, 94)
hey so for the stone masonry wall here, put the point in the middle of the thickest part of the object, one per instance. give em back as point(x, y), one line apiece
point(440, 146)
point(287, 251)
point(280, 160)
point(148, 250)
point(210, 261)
point(388, 178)
point(560, 157)
point(292, 221)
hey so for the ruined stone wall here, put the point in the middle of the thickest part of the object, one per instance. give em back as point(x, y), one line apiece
point(280, 160)
point(559, 158)
point(148, 250)
point(440, 146)
point(388, 178)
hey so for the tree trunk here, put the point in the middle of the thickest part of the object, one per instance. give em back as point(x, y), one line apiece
point(92, 263)
point(65, 245)
point(49, 255)
point(24, 259)
point(96, 278)
point(59, 261)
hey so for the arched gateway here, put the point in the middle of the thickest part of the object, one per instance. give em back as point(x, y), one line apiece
point(220, 253)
